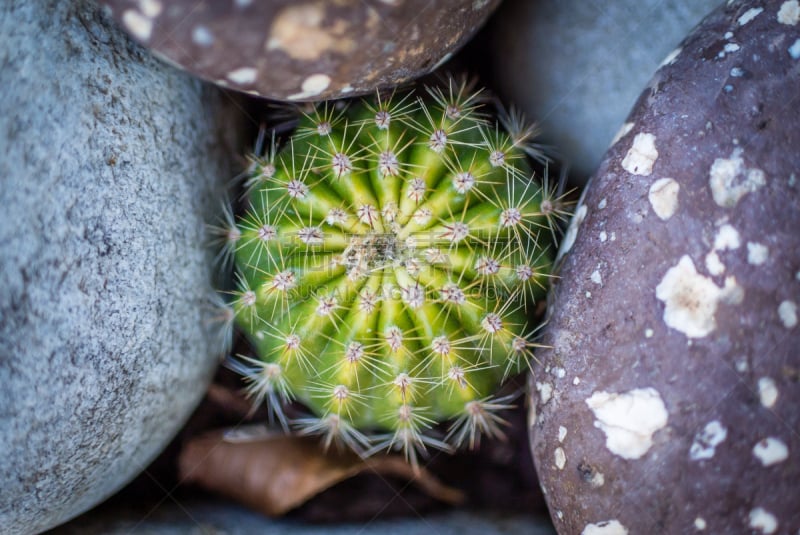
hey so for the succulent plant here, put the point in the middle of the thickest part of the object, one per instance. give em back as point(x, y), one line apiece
point(386, 261)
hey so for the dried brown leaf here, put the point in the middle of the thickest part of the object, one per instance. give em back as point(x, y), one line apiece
point(274, 473)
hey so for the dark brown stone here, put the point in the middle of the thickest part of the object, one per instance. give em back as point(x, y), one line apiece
point(303, 50)
point(668, 402)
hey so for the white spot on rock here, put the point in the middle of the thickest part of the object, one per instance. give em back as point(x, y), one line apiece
point(671, 57)
point(572, 232)
point(763, 520)
point(202, 36)
point(622, 132)
point(699, 523)
point(787, 311)
point(794, 50)
point(150, 8)
point(242, 75)
point(663, 196)
point(648, 333)
point(603, 203)
point(757, 253)
point(691, 299)
point(629, 419)
point(771, 451)
point(560, 458)
point(444, 59)
point(139, 25)
point(641, 156)
point(767, 392)
point(706, 441)
point(727, 238)
point(596, 277)
point(741, 364)
point(545, 391)
point(576, 381)
point(789, 13)
point(606, 527)
point(713, 264)
point(749, 15)
point(730, 180)
point(603, 236)
point(312, 86)
point(562, 433)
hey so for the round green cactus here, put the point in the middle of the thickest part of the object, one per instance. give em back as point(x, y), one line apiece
point(386, 262)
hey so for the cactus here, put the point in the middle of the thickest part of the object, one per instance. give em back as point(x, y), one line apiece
point(385, 263)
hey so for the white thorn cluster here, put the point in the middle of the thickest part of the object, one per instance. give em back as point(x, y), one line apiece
point(497, 158)
point(394, 337)
point(311, 235)
point(389, 212)
point(336, 216)
point(452, 111)
point(492, 323)
point(417, 190)
point(341, 164)
point(523, 272)
point(463, 182)
point(423, 216)
point(284, 281)
point(326, 306)
point(388, 165)
point(267, 232)
point(292, 342)
point(438, 141)
point(297, 189)
point(441, 345)
point(324, 128)
point(453, 294)
point(456, 232)
point(367, 214)
point(248, 298)
point(457, 375)
point(403, 383)
point(354, 352)
point(487, 266)
point(510, 217)
point(368, 302)
point(382, 119)
point(414, 296)
point(341, 393)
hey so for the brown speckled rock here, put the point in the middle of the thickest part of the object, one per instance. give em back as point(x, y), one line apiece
point(303, 49)
point(668, 402)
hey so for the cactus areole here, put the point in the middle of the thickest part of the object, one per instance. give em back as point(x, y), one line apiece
point(386, 261)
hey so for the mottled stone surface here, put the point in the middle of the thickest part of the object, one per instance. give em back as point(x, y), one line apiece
point(304, 49)
point(220, 517)
point(578, 67)
point(110, 165)
point(668, 402)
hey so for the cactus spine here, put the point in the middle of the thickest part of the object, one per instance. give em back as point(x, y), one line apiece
point(385, 264)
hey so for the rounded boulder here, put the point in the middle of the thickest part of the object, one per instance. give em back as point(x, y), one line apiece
point(111, 164)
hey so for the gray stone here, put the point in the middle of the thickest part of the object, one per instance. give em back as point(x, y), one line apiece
point(110, 163)
point(577, 67)
point(207, 518)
